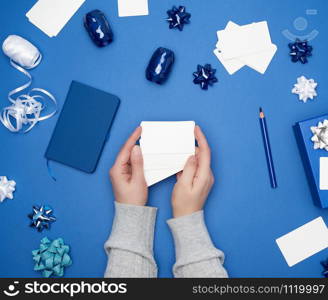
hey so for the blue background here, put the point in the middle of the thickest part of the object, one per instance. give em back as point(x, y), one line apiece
point(244, 215)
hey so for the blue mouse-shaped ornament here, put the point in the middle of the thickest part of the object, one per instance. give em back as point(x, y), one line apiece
point(160, 65)
point(96, 24)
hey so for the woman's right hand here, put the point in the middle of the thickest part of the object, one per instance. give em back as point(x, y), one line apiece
point(195, 182)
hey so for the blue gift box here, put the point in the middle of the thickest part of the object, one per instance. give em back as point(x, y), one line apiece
point(311, 158)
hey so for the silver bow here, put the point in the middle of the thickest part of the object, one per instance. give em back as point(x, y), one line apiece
point(320, 137)
point(7, 187)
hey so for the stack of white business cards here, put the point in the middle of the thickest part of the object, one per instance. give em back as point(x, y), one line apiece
point(249, 45)
point(51, 16)
point(129, 8)
point(166, 147)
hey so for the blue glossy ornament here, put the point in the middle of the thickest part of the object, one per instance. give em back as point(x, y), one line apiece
point(41, 217)
point(325, 266)
point(205, 76)
point(97, 26)
point(178, 17)
point(300, 51)
point(160, 65)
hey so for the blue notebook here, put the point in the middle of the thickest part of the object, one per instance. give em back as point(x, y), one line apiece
point(83, 127)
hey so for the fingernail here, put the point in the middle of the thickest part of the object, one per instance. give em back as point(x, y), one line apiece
point(136, 150)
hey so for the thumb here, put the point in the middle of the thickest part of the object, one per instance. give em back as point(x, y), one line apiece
point(189, 170)
point(137, 164)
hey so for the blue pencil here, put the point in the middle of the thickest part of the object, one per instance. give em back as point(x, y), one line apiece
point(267, 149)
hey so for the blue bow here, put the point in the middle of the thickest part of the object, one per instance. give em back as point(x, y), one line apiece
point(300, 51)
point(178, 17)
point(41, 217)
point(52, 257)
point(204, 76)
point(325, 266)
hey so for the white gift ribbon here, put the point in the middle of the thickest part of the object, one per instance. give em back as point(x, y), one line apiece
point(25, 109)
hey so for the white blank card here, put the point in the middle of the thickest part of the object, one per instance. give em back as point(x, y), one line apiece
point(323, 178)
point(51, 16)
point(166, 146)
point(304, 241)
point(128, 8)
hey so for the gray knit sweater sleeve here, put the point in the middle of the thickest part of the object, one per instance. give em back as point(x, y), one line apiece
point(130, 244)
point(195, 253)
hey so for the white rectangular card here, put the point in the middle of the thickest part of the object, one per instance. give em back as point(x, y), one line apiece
point(165, 161)
point(154, 176)
point(231, 65)
point(247, 39)
point(258, 61)
point(165, 147)
point(304, 241)
point(323, 177)
point(127, 8)
point(167, 137)
point(51, 16)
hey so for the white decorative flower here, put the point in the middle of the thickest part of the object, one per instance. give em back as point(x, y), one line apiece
point(305, 88)
point(320, 137)
point(7, 187)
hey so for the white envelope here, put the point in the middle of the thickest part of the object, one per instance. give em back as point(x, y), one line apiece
point(304, 241)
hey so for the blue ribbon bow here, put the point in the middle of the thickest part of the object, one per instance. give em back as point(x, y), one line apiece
point(52, 257)
point(300, 51)
point(205, 76)
point(325, 266)
point(178, 17)
point(41, 217)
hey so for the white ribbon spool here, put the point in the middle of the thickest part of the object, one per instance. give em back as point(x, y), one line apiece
point(25, 109)
point(21, 51)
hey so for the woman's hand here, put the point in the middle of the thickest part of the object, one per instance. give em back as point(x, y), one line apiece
point(127, 174)
point(195, 181)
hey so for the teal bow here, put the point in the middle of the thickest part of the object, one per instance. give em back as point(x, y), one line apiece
point(52, 257)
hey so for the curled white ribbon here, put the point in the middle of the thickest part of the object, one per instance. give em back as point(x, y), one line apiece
point(25, 109)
